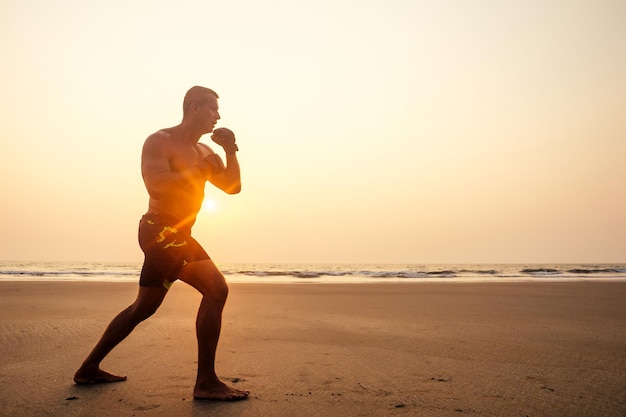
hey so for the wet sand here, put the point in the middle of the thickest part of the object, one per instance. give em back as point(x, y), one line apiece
point(415, 349)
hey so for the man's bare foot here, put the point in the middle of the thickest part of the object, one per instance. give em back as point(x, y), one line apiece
point(96, 377)
point(219, 392)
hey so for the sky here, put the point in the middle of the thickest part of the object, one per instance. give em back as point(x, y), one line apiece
point(372, 131)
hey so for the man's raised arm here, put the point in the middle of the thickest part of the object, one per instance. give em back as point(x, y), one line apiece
point(229, 180)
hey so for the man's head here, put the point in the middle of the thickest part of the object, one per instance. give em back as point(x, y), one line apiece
point(198, 95)
point(200, 109)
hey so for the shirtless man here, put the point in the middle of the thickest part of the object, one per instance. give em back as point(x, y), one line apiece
point(175, 168)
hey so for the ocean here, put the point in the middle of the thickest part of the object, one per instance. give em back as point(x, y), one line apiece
point(326, 273)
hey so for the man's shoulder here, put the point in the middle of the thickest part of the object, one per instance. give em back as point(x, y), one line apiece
point(161, 137)
point(158, 142)
point(162, 134)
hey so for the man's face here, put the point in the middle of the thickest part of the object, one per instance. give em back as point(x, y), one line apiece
point(208, 112)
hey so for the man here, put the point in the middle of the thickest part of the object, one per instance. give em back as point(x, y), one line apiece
point(175, 168)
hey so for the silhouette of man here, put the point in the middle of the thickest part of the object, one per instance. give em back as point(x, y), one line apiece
point(175, 168)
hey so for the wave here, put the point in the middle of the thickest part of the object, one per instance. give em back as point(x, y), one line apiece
point(598, 271)
point(54, 271)
point(64, 273)
point(541, 271)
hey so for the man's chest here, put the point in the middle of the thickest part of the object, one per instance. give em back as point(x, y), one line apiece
point(182, 158)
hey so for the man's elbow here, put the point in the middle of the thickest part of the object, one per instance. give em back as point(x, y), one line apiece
point(233, 189)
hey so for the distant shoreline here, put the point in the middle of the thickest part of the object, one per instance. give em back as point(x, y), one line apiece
point(327, 273)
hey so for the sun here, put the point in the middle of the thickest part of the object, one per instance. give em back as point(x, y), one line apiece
point(208, 205)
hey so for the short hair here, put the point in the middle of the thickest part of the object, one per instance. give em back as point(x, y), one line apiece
point(196, 94)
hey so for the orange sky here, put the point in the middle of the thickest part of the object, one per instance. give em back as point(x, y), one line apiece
point(370, 131)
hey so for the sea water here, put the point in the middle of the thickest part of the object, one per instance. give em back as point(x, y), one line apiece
point(326, 273)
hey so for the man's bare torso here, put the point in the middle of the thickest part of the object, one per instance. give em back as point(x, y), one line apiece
point(168, 169)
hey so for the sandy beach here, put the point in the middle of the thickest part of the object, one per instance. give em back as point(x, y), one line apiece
point(416, 349)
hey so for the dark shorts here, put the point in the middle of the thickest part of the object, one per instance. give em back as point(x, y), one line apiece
point(166, 248)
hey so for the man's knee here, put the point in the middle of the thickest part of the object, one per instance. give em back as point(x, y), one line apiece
point(141, 311)
point(147, 303)
point(206, 278)
point(217, 287)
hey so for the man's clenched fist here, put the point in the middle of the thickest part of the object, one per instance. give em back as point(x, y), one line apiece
point(226, 139)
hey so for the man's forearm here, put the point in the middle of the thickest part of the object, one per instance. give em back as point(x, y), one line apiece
point(230, 180)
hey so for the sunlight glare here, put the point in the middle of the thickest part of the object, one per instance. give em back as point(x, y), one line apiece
point(209, 205)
